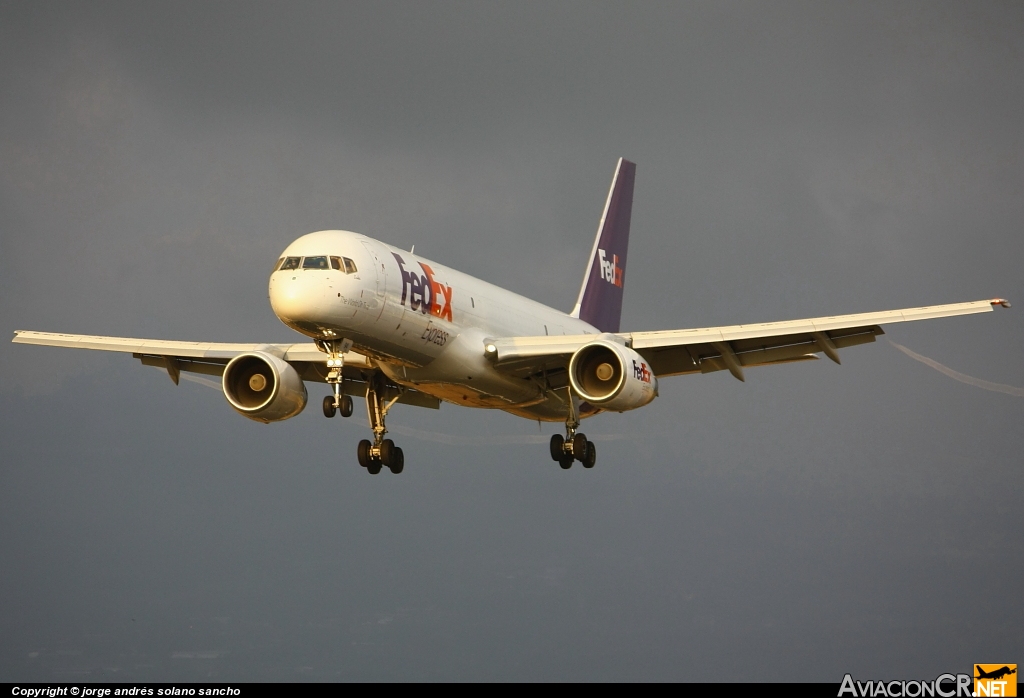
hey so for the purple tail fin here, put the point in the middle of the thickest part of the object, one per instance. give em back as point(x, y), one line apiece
point(600, 301)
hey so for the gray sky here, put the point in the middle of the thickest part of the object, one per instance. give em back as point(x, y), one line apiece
point(794, 159)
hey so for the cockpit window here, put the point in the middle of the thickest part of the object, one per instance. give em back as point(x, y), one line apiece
point(290, 263)
point(350, 266)
point(336, 263)
point(277, 264)
point(315, 263)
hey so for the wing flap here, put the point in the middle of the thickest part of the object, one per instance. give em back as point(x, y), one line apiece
point(705, 358)
point(189, 366)
point(512, 349)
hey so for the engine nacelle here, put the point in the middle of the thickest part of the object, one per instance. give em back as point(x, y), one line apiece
point(263, 387)
point(611, 376)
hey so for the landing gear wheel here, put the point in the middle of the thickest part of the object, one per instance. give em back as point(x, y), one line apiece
point(374, 467)
point(557, 447)
point(398, 465)
point(329, 406)
point(346, 406)
point(387, 452)
point(579, 447)
point(591, 457)
point(565, 462)
point(363, 451)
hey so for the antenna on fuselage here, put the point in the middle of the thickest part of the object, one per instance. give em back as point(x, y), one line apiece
point(412, 250)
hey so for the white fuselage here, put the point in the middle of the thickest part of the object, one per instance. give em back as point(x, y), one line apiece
point(424, 324)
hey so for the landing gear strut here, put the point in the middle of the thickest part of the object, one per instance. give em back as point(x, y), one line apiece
point(380, 452)
point(574, 446)
point(335, 350)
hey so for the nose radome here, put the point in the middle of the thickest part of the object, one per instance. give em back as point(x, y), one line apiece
point(297, 297)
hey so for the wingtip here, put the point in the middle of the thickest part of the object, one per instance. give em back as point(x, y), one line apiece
point(1001, 302)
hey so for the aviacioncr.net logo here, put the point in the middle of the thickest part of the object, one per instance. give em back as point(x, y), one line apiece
point(945, 686)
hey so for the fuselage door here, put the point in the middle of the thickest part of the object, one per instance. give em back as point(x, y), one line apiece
point(379, 281)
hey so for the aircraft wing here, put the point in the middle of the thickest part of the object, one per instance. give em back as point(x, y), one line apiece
point(210, 358)
point(210, 352)
point(703, 350)
point(194, 357)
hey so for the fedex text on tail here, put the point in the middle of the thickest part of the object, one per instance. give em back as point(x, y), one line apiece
point(610, 269)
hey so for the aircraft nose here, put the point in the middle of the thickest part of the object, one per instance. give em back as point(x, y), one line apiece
point(296, 297)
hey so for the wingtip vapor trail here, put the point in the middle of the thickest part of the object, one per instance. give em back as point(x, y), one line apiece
point(962, 377)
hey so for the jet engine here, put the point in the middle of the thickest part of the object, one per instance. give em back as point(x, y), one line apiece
point(611, 376)
point(263, 387)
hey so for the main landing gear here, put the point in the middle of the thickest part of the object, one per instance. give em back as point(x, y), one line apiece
point(339, 402)
point(574, 446)
point(381, 452)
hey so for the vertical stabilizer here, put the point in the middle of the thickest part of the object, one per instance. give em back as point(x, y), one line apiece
point(600, 300)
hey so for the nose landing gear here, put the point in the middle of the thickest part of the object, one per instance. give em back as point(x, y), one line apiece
point(380, 452)
point(574, 446)
point(335, 350)
point(337, 403)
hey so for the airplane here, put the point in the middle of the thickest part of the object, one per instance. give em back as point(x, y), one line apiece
point(995, 674)
point(394, 327)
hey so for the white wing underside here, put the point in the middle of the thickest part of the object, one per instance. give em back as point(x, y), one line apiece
point(210, 358)
point(210, 351)
point(195, 357)
point(703, 350)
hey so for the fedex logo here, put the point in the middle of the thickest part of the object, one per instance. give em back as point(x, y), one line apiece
point(641, 372)
point(426, 295)
point(610, 269)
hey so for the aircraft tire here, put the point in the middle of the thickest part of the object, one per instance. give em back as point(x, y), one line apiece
point(346, 406)
point(591, 458)
point(387, 452)
point(329, 406)
point(579, 447)
point(373, 468)
point(565, 462)
point(363, 452)
point(399, 464)
point(557, 447)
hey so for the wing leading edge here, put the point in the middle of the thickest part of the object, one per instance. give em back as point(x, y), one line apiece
point(210, 358)
point(703, 350)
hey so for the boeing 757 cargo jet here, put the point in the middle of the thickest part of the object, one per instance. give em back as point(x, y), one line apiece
point(393, 327)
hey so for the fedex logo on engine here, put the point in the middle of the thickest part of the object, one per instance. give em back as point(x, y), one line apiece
point(610, 269)
point(641, 372)
point(426, 295)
